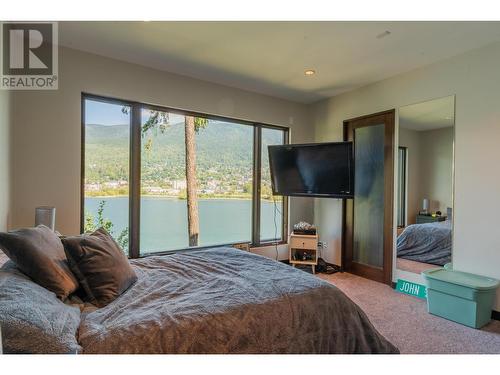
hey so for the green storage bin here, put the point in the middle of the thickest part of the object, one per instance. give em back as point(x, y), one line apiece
point(460, 296)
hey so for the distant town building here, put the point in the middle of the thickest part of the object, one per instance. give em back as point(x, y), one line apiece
point(179, 184)
point(112, 184)
point(92, 187)
point(155, 190)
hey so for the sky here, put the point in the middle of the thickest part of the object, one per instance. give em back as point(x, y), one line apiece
point(101, 113)
point(104, 113)
point(111, 114)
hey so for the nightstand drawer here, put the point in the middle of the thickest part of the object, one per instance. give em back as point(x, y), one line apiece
point(303, 243)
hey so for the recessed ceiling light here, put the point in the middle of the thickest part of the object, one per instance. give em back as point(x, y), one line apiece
point(309, 72)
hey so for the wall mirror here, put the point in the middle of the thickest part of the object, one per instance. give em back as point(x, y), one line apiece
point(425, 185)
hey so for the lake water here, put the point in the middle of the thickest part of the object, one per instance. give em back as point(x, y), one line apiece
point(164, 220)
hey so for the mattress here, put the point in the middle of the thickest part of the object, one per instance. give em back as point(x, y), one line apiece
point(427, 243)
point(224, 300)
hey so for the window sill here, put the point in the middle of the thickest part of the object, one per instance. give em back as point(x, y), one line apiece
point(269, 243)
point(170, 252)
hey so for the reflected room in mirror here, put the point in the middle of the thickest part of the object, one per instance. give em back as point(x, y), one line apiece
point(425, 185)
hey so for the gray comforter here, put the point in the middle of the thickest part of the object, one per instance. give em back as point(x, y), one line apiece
point(427, 243)
point(228, 301)
point(33, 319)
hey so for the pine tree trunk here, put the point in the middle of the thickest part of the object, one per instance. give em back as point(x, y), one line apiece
point(191, 182)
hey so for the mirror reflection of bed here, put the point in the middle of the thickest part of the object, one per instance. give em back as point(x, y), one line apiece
point(425, 185)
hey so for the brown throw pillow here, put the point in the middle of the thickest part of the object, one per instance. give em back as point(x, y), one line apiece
point(39, 254)
point(100, 266)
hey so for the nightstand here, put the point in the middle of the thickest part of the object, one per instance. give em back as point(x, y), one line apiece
point(422, 219)
point(303, 249)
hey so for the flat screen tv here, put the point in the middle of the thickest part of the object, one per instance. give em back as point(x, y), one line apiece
point(313, 170)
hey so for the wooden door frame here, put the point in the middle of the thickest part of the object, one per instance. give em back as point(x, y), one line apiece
point(388, 118)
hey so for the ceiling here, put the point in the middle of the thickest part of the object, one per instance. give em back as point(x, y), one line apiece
point(271, 57)
point(430, 115)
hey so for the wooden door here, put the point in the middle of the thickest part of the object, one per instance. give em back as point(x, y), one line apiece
point(368, 218)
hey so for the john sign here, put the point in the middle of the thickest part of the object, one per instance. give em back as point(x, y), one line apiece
point(412, 289)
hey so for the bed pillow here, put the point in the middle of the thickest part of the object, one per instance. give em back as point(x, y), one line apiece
point(33, 319)
point(39, 254)
point(100, 266)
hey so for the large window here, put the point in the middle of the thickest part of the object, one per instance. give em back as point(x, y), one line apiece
point(164, 180)
point(271, 207)
point(106, 169)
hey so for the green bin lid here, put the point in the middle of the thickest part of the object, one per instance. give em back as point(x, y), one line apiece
point(461, 278)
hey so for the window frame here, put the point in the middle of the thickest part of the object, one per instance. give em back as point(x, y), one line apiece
point(256, 233)
point(135, 172)
point(403, 186)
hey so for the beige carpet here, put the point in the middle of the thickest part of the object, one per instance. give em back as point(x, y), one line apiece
point(412, 266)
point(404, 320)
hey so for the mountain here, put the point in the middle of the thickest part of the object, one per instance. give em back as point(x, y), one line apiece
point(224, 153)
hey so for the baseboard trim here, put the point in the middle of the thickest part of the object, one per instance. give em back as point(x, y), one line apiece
point(495, 315)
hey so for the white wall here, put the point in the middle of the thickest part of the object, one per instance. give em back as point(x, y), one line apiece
point(436, 168)
point(430, 169)
point(47, 127)
point(410, 139)
point(5, 112)
point(474, 77)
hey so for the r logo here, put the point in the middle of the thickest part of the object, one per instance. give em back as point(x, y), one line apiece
point(29, 56)
point(27, 48)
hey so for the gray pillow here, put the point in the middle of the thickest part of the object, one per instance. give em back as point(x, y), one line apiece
point(100, 266)
point(33, 320)
point(39, 254)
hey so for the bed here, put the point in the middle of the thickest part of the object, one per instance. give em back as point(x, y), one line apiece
point(427, 243)
point(219, 300)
